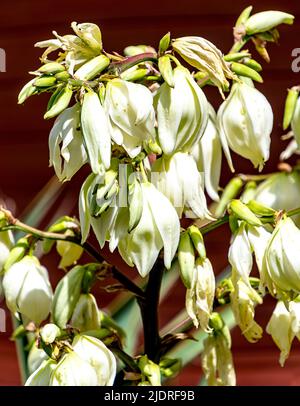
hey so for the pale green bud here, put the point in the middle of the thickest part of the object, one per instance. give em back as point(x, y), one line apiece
point(66, 296)
point(204, 56)
point(67, 151)
point(41, 377)
point(182, 113)
point(27, 289)
point(28, 90)
point(133, 50)
point(295, 123)
point(178, 178)
point(158, 228)
point(72, 370)
point(86, 314)
point(94, 352)
point(245, 122)
point(96, 134)
point(200, 297)
point(92, 68)
point(280, 328)
point(240, 255)
point(208, 155)
point(186, 259)
point(281, 260)
point(131, 114)
point(69, 252)
point(49, 332)
point(266, 21)
point(242, 212)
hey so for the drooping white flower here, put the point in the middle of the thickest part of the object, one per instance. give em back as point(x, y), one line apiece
point(27, 289)
point(245, 121)
point(67, 151)
point(208, 155)
point(181, 113)
point(178, 178)
point(132, 118)
point(200, 297)
point(280, 328)
point(281, 259)
point(158, 228)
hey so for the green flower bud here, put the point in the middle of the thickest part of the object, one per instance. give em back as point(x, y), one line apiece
point(259, 209)
point(92, 68)
point(289, 108)
point(266, 21)
point(244, 70)
point(66, 296)
point(186, 259)
point(197, 240)
point(45, 81)
point(60, 102)
point(164, 43)
point(27, 289)
point(51, 68)
point(133, 50)
point(165, 68)
point(230, 191)
point(86, 314)
point(243, 212)
point(28, 90)
point(245, 122)
point(295, 123)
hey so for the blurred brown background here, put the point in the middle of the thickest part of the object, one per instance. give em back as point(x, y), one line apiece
point(24, 134)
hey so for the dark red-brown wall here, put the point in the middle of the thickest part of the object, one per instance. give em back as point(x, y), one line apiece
point(24, 134)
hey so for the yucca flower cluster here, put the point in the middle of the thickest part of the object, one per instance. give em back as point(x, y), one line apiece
point(141, 125)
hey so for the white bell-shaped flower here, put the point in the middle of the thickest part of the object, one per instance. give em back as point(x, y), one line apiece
point(178, 178)
point(182, 113)
point(245, 122)
point(67, 151)
point(27, 289)
point(131, 113)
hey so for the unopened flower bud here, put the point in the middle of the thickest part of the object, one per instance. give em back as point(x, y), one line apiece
point(28, 290)
point(49, 333)
point(86, 313)
point(266, 21)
